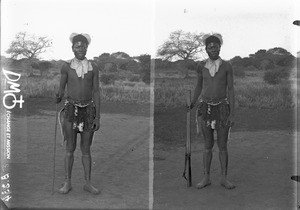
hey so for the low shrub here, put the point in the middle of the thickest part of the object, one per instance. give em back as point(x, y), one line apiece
point(275, 77)
point(108, 79)
point(238, 71)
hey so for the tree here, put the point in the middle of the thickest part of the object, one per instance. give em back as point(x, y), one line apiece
point(236, 61)
point(182, 45)
point(145, 62)
point(120, 55)
point(28, 45)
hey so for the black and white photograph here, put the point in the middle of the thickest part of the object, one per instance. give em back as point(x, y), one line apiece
point(149, 104)
point(80, 136)
point(225, 105)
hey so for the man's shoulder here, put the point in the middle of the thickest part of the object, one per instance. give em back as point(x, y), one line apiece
point(200, 65)
point(95, 65)
point(226, 64)
point(65, 66)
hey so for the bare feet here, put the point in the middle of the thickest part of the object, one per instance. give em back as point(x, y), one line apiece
point(65, 188)
point(89, 188)
point(225, 183)
point(204, 182)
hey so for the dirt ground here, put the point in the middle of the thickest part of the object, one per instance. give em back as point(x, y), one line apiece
point(120, 169)
point(261, 163)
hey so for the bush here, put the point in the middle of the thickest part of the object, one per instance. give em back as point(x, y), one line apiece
point(134, 78)
point(238, 71)
point(274, 77)
point(35, 65)
point(108, 79)
point(146, 78)
point(45, 65)
point(110, 67)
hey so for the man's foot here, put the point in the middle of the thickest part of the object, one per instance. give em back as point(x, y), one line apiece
point(89, 188)
point(65, 188)
point(204, 183)
point(225, 183)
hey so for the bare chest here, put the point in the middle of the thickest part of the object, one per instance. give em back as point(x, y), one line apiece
point(73, 77)
point(218, 79)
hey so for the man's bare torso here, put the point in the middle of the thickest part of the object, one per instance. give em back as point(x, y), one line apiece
point(214, 87)
point(79, 89)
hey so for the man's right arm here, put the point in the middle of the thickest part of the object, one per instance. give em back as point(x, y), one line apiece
point(62, 84)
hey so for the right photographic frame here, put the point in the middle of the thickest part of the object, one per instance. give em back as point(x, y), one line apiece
point(225, 105)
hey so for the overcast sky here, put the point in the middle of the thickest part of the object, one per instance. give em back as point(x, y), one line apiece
point(141, 26)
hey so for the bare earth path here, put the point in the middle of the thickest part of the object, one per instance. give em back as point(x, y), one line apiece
point(120, 154)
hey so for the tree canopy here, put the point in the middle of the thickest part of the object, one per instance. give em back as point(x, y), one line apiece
point(182, 45)
point(28, 45)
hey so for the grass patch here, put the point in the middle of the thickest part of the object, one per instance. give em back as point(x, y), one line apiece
point(262, 95)
point(121, 91)
point(171, 92)
point(251, 92)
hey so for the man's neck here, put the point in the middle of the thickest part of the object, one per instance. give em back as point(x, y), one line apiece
point(79, 60)
point(214, 59)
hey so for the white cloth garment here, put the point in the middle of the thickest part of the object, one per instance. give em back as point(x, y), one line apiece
point(213, 66)
point(219, 36)
point(81, 66)
point(85, 35)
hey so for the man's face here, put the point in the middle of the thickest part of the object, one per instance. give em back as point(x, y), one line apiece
point(213, 50)
point(79, 49)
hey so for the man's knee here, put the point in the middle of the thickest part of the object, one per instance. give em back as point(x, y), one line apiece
point(69, 154)
point(208, 150)
point(70, 147)
point(85, 149)
point(208, 145)
point(222, 144)
point(222, 147)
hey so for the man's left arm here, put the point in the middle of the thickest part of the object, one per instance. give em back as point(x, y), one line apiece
point(231, 94)
point(96, 96)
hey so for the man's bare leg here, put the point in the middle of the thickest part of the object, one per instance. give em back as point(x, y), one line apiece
point(69, 157)
point(223, 156)
point(86, 141)
point(207, 154)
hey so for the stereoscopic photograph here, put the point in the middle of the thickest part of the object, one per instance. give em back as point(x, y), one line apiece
point(149, 104)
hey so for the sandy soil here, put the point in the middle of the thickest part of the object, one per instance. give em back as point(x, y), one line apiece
point(120, 154)
point(261, 164)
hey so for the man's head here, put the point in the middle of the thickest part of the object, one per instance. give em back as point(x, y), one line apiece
point(213, 45)
point(80, 44)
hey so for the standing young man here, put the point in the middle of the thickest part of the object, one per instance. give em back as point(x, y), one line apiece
point(216, 108)
point(81, 113)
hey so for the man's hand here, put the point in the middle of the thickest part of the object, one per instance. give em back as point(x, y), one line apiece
point(96, 124)
point(230, 120)
point(58, 98)
point(189, 107)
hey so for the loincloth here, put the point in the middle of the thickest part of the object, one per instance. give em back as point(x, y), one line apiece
point(80, 114)
point(214, 113)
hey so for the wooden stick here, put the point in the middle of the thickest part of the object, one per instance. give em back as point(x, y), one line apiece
point(54, 148)
point(188, 141)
